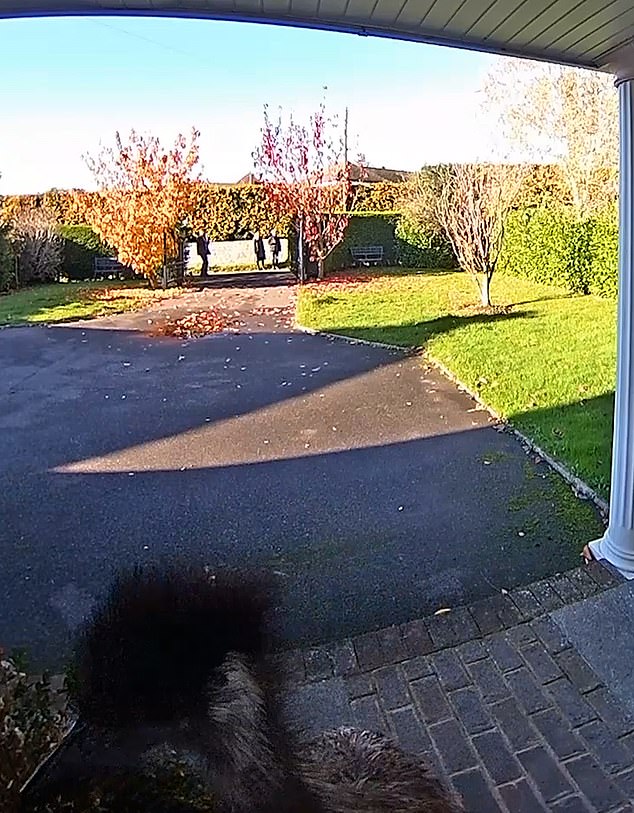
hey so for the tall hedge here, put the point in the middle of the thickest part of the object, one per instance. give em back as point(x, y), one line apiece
point(384, 196)
point(550, 245)
point(223, 212)
point(367, 229)
point(81, 246)
point(233, 212)
point(402, 244)
point(604, 248)
point(67, 205)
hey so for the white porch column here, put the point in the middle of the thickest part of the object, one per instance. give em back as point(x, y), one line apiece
point(617, 544)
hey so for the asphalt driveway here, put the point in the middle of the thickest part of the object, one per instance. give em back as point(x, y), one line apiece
point(374, 488)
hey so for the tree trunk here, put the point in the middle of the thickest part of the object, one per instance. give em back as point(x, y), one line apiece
point(320, 268)
point(485, 291)
point(300, 253)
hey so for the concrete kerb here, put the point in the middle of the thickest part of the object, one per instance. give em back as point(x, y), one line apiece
point(579, 487)
point(406, 351)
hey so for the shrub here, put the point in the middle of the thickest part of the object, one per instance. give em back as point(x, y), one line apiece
point(420, 247)
point(535, 245)
point(604, 246)
point(81, 246)
point(31, 724)
point(37, 245)
point(550, 245)
point(7, 262)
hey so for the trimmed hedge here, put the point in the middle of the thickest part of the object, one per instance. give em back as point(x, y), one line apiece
point(402, 244)
point(233, 212)
point(81, 246)
point(223, 212)
point(604, 247)
point(366, 229)
point(549, 245)
point(67, 205)
point(378, 197)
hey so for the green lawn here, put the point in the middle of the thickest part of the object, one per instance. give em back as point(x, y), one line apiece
point(62, 302)
point(546, 361)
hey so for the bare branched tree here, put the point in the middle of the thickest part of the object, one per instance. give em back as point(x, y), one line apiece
point(471, 203)
point(37, 245)
point(566, 116)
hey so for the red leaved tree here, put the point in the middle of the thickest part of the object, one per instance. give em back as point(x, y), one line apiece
point(145, 194)
point(306, 176)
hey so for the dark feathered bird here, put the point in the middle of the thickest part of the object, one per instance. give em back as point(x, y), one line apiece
point(178, 714)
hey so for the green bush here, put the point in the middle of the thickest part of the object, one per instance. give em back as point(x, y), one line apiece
point(604, 247)
point(549, 245)
point(7, 263)
point(33, 718)
point(422, 248)
point(81, 246)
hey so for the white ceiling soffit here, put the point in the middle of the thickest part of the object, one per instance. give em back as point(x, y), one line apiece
point(586, 33)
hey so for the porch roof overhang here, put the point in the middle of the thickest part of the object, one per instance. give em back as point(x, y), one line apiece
point(583, 33)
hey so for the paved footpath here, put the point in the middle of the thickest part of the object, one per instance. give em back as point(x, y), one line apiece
point(496, 694)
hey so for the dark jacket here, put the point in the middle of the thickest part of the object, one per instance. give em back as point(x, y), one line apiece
point(202, 245)
point(258, 247)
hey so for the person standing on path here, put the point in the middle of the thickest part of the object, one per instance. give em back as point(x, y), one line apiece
point(275, 246)
point(202, 248)
point(258, 248)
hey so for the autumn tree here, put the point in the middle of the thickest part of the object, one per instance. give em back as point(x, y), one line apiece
point(306, 176)
point(564, 116)
point(144, 197)
point(471, 202)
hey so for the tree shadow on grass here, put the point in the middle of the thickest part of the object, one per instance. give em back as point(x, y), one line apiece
point(558, 297)
point(417, 334)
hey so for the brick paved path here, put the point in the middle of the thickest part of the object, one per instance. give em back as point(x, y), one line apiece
point(493, 694)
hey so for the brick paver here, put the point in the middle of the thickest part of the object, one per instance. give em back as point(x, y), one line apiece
point(496, 698)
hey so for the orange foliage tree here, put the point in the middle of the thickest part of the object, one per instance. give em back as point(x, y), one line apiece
point(144, 198)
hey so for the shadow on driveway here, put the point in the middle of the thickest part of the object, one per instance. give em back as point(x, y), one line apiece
point(375, 488)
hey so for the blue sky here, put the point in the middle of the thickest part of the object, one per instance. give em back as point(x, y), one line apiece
point(69, 83)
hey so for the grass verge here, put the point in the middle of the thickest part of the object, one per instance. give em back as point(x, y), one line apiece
point(544, 359)
point(62, 302)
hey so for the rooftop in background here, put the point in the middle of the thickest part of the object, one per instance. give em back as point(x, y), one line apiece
point(358, 174)
point(589, 34)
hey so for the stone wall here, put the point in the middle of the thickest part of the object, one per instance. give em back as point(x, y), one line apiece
point(231, 253)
